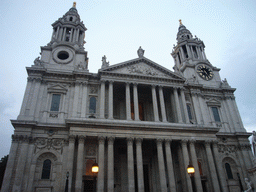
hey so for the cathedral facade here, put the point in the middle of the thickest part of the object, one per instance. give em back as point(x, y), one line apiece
point(141, 123)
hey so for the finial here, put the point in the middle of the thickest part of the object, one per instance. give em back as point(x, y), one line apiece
point(180, 22)
point(74, 4)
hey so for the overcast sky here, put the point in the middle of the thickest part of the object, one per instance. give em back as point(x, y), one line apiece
point(116, 28)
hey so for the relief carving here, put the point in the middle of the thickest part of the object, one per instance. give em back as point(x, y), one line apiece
point(227, 148)
point(91, 150)
point(144, 70)
point(48, 143)
point(93, 89)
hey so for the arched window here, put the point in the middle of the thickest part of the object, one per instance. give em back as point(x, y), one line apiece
point(228, 171)
point(71, 19)
point(46, 169)
point(92, 108)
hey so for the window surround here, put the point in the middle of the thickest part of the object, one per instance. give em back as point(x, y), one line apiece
point(215, 103)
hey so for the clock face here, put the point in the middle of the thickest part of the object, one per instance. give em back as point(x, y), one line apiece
point(205, 72)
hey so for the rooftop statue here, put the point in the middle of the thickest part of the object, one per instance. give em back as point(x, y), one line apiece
point(140, 52)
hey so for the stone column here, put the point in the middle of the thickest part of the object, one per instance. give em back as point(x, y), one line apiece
point(140, 175)
point(128, 101)
point(111, 164)
point(196, 107)
point(130, 162)
point(195, 164)
point(80, 163)
point(162, 103)
point(10, 164)
point(34, 98)
point(26, 97)
point(22, 160)
point(186, 163)
point(57, 33)
point(221, 173)
point(75, 101)
point(102, 100)
point(136, 102)
point(77, 35)
point(71, 149)
point(100, 182)
point(60, 34)
point(110, 100)
point(84, 100)
point(211, 165)
point(161, 166)
point(184, 105)
point(155, 107)
point(177, 102)
point(71, 35)
point(64, 34)
point(189, 51)
point(169, 163)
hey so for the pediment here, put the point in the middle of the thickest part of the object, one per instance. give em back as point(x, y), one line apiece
point(143, 67)
point(213, 102)
point(57, 88)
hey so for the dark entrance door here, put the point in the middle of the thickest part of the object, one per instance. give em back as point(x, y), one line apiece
point(88, 185)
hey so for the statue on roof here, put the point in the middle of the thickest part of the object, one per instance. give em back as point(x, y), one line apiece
point(104, 62)
point(140, 52)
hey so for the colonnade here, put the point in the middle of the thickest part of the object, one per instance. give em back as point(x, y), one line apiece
point(165, 164)
point(179, 100)
point(60, 34)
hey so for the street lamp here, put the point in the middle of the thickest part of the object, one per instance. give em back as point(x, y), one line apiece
point(191, 171)
point(95, 170)
point(66, 187)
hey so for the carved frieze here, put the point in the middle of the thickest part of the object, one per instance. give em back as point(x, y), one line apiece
point(143, 69)
point(93, 89)
point(50, 143)
point(227, 148)
point(91, 150)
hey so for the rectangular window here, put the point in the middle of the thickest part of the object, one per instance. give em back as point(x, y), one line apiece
point(55, 102)
point(189, 112)
point(216, 114)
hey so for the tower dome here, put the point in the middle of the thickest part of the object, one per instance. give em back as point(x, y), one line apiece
point(183, 33)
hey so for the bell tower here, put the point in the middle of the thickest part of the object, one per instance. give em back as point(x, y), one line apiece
point(190, 60)
point(65, 52)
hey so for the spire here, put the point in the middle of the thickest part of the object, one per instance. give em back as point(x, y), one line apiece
point(183, 33)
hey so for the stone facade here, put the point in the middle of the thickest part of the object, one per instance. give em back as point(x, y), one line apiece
point(142, 123)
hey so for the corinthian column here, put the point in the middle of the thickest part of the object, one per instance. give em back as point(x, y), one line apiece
point(111, 164)
point(163, 111)
point(186, 163)
point(130, 162)
point(184, 105)
point(136, 103)
point(161, 167)
point(155, 107)
point(102, 100)
point(110, 100)
point(211, 164)
point(139, 165)
point(100, 183)
point(71, 149)
point(128, 102)
point(80, 163)
point(177, 102)
point(221, 173)
point(169, 163)
point(195, 164)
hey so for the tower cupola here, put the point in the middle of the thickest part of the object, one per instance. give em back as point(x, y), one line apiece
point(183, 33)
point(69, 29)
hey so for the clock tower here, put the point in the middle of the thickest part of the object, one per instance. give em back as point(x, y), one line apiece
point(191, 62)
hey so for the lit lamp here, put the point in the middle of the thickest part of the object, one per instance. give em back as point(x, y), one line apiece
point(95, 170)
point(190, 169)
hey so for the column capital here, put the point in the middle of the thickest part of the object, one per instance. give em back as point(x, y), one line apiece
point(101, 139)
point(102, 81)
point(168, 141)
point(138, 140)
point(192, 141)
point(72, 138)
point(160, 86)
point(184, 141)
point(135, 84)
point(153, 86)
point(127, 83)
point(111, 81)
point(159, 141)
point(81, 139)
point(111, 140)
point(215, 143)
point(129, 140)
